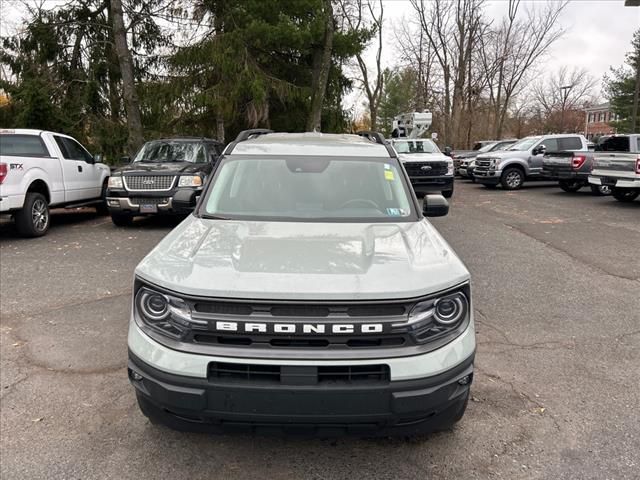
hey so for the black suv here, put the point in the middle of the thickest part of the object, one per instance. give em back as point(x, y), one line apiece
point(161, 168)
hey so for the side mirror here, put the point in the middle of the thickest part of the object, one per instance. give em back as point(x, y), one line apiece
point(435, 206)
point(97, 158)
point(448, 151)
point(184, 200)
point(540, 149)
point(125, 159)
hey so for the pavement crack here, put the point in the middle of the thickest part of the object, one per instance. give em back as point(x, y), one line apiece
point(571, 256)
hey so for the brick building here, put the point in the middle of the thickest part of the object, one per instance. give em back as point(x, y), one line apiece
point(597, 121)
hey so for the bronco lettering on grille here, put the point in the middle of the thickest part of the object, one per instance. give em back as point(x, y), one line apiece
point(300, 328)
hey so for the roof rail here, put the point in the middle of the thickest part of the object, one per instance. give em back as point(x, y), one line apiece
point(246, 135)
point(377, 137)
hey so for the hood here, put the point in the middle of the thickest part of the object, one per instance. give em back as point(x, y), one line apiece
point(423, 157)
point(162, 168)
point(299, 261)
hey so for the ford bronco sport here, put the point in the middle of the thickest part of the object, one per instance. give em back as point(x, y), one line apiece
point(306, 293)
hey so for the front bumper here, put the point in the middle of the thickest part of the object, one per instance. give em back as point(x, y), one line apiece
point(442, 183)
point(220, 405)
point(485, 176)
point(124, 202)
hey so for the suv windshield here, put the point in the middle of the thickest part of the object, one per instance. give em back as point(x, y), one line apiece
point(524, 144)
point(415, 146)
point(309, 188)
point(163, 151)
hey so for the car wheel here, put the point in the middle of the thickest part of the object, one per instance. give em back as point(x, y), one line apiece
point(447, 193)
point(121, 219)
point(624, 194)
point(512, 178)
point(600, 190)
point(491, 186)
point(33, 219)
point(570, 186)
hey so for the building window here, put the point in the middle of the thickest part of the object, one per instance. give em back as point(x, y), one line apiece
point(589, 118)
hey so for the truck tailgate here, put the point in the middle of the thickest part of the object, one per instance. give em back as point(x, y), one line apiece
point(619, 162)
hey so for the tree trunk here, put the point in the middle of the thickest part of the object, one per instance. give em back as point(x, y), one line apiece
point(220, 128)
point(321, 67)
point(132, 105)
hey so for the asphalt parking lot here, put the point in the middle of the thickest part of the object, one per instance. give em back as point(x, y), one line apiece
point(556, 278)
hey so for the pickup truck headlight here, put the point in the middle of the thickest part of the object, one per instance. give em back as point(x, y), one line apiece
point(190, 181)
point(449, 167)
point(115, 182)
point(441, 318)
point(164, 313)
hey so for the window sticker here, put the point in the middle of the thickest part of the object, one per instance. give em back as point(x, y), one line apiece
point(388, 174)
point(396, 212)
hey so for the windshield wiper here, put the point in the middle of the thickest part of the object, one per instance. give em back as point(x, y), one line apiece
point(208, 216)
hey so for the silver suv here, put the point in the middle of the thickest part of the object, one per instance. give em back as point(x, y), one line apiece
point(523, 160)
point(307, 292)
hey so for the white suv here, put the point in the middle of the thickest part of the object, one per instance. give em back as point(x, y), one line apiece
point(307, 292)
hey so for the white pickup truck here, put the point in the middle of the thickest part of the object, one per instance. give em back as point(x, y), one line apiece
point(617, 165)
point(39, 170)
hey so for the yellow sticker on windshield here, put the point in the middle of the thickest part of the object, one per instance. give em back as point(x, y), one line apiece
point(388, 174)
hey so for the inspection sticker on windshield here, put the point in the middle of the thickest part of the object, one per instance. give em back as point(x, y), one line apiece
point(395, 212)
point(388, 174)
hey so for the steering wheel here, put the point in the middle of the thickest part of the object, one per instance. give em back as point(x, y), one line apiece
point(362, 201)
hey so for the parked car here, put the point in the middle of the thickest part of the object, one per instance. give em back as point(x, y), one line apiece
point(428, 168)
point(307, 292)
point(523, 160)
point(571, 170)
point(464, 160)
point(476, 147)
point(617, 166)
point(40, 170)
point(161, 168)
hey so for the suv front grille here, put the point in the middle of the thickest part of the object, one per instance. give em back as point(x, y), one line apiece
point(298, 375)
point(148, 182)
point(425, 169)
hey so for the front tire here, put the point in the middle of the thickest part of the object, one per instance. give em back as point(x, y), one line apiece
point(101, 208)
point(447, 193)
point(33, 219)
point(624, 194)
point(512, 179)
point(121, 219)
point(570, 186)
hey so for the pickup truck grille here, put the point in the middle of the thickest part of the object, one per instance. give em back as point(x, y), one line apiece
point(148, 182)
point(425, 169)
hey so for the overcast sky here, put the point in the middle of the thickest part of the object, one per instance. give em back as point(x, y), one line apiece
point(598, 34)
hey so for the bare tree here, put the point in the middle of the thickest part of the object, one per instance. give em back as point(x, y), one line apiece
point(372, 82)
point(132, 104)
point(452, 29)
point(563, 91)
point(513, 49)
point(321, 67)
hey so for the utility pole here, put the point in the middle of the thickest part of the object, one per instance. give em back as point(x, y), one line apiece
point(565, 94)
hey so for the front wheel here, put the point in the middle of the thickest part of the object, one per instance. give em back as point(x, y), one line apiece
point(625, 194)
point(570, 186)
point(33, 219)
point(447, 193)
point(600, 190)
point(512, 178)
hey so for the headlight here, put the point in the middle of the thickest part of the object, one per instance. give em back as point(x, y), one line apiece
point(190, 181)
point(441, 318)
point(115, 182)
point(164, 313)
point(449, 167)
